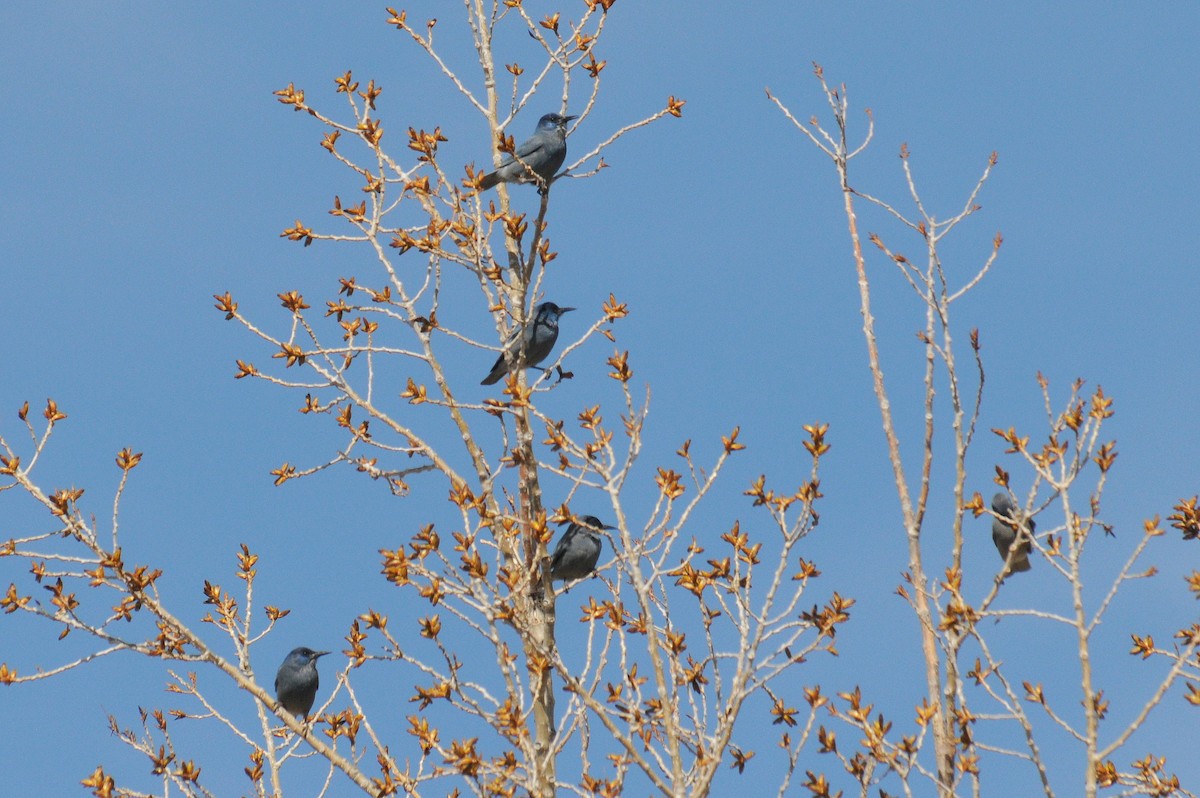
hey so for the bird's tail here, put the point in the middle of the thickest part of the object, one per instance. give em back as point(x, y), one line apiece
point(489, 180)
point(498, 370)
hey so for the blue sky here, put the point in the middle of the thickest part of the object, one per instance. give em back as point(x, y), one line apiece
point(148, 167)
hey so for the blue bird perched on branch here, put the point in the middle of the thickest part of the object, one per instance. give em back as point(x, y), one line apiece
point(538, 157)
point(578, 550)
point(1004, 531)
point(297, 681)
point(537, 340)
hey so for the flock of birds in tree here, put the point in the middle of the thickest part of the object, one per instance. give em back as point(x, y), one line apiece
point(537, 160)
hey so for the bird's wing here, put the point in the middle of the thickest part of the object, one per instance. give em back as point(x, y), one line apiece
point(1002, 536)
point(530, 147)
point(513, 336)
point(564, 543)
point(556, 558)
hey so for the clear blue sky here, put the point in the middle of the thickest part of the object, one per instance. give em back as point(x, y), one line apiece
point(147, 167)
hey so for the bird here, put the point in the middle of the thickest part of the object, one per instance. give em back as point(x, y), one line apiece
point(1004, 531)
point(537, 340)
point(296, 682)
point(538, 157)
point(578, 550)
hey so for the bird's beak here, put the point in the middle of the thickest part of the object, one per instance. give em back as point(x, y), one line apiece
point(567, 119)
point(319, 654)
point(564, 310)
